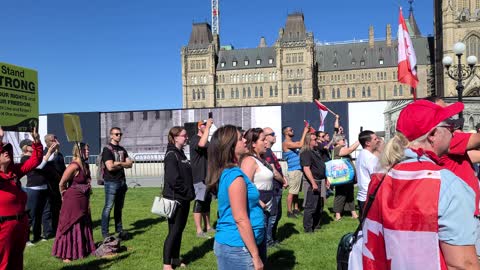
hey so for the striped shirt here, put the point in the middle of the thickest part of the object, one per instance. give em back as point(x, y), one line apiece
point(293, 160)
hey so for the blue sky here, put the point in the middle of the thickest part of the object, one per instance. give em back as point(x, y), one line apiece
point(125, 55)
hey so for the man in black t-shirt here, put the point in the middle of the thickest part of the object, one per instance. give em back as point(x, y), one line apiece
point(198, 160)
point(116, 160)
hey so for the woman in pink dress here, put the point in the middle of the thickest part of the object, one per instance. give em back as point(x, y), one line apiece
point(74, 239)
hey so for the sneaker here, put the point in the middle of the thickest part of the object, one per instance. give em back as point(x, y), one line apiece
point(44, 240)
point(30, 244)
point(291, 215)
point(211, 230)
point(203, 235)
point(308, 231)
point(297, 212)
point(124, 235)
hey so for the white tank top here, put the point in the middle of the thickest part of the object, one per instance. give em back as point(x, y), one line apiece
point(263, 177)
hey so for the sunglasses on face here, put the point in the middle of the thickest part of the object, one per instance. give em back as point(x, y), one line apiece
point(450, 128)
point(117, 134)
point(270, 134)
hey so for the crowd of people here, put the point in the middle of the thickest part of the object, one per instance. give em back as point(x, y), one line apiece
point(420, 188)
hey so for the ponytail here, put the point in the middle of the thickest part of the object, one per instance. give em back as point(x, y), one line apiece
point(394, 150)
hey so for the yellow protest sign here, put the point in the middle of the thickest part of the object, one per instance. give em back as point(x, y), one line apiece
point(72, 126)
point(18, 98)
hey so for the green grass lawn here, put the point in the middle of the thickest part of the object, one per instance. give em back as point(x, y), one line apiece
point(144, 251)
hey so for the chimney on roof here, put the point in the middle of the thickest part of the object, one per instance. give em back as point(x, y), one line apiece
point(389, 35)
point(280, 33)
point(371, 40)
point(262, 43)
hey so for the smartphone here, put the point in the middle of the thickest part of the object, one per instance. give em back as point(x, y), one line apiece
point(361, 129)
point(210, 115)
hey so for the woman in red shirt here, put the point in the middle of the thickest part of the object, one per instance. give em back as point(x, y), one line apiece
point(13, 218)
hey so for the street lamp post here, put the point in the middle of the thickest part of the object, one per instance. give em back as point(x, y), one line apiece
point(459, 72)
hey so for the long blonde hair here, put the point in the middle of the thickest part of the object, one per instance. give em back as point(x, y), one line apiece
point(306, 143)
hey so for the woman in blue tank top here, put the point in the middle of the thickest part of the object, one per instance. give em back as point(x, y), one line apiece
point(240, 227)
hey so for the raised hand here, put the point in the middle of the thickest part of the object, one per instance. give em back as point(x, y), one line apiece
point(35, 135)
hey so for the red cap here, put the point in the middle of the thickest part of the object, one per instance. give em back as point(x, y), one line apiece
point(419, 117)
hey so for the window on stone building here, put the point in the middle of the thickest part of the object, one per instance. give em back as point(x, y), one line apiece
point(369, 76)
point(333, 93)
point(348, 92)
point(271, 91)
point(246, 62)
point(338, 93)
point(259, 61)
point(354, 63)
point(261, 91)
point(232, 93)
point(203, 94)
point(473, 44)
point(237, 95)
point(249, 93)
point(288, 58)
point(131, 116)
point(234, 63)
point(384, 92)
point(379, 93)
point(400, 90)
point(369, 93)
point(289, 89)
point(244, 93)
point(217, 93)
point(145, 116)
point(362, 62)
point(193, 96)
point(363, 92)
point(222, 64)
point(157, 115)
point(323, 93)
point(300, 90)
point(353, 92)
point(380, 61)
point(198, 94)
point(223, 94)
point(256, 92)
point(197, 65)
point(395, 91)
point(295, 89)
point(276, 90)
point(300, 57)
point(204, 64)
point(270, 60)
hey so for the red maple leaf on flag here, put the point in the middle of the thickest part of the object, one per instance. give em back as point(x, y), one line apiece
point(376, 245)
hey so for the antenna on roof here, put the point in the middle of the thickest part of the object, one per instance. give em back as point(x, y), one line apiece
point(215, 17)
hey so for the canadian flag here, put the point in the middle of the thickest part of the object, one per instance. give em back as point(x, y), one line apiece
point(323, 114)
point(407, 60)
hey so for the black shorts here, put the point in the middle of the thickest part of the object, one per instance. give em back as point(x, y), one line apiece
point(202, 206)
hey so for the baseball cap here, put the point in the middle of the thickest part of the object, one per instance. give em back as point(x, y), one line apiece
point(420, 116)
point(201, 123)
point(25, 142)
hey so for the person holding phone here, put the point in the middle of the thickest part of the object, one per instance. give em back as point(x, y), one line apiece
point(13, 217)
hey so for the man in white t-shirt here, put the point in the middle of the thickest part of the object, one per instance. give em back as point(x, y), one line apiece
point(365, 165)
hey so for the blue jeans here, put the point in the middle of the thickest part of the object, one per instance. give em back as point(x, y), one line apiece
point(273, 219)
point(36, 202)
point(236, 258)
point(115, 191)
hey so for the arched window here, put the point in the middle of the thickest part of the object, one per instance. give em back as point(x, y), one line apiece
point(244, 93)
point(203, 94)
point(223, 94)
point(276, 91)
point(295, 89)
point(289, 89)
point(237, 95)
point(271, 91)
point(471, 123)
point(348, 92)
point(193, 94)
point(198, 94)
point(249, 92)
point(363, 92)
point(300, 89)
point(217, 93)
point(256, 91)
point(261, 91)
point(400, 90)
point(369, 93)
point(395, 91)
point(338, 93)
point(333, 93)
point(232, 94)
point(379, 93)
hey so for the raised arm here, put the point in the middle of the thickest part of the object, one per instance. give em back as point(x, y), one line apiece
point(298, 144)
point(204, 139)
point(345, 151)
point(237, 193)
point(34, 160)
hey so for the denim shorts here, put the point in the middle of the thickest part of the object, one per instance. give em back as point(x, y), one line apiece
point(232, 258)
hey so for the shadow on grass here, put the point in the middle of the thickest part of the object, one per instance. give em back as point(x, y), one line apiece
point(100, 263)
point(325, 218)
point(198, 252)
point(283, 259)
point(143, 225)
point(287, 230)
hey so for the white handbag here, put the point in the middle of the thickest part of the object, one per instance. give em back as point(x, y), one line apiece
point(164, 207)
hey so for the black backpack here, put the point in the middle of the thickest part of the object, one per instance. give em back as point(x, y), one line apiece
point(101, 166)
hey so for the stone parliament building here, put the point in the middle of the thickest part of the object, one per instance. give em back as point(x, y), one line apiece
point(297, 69)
